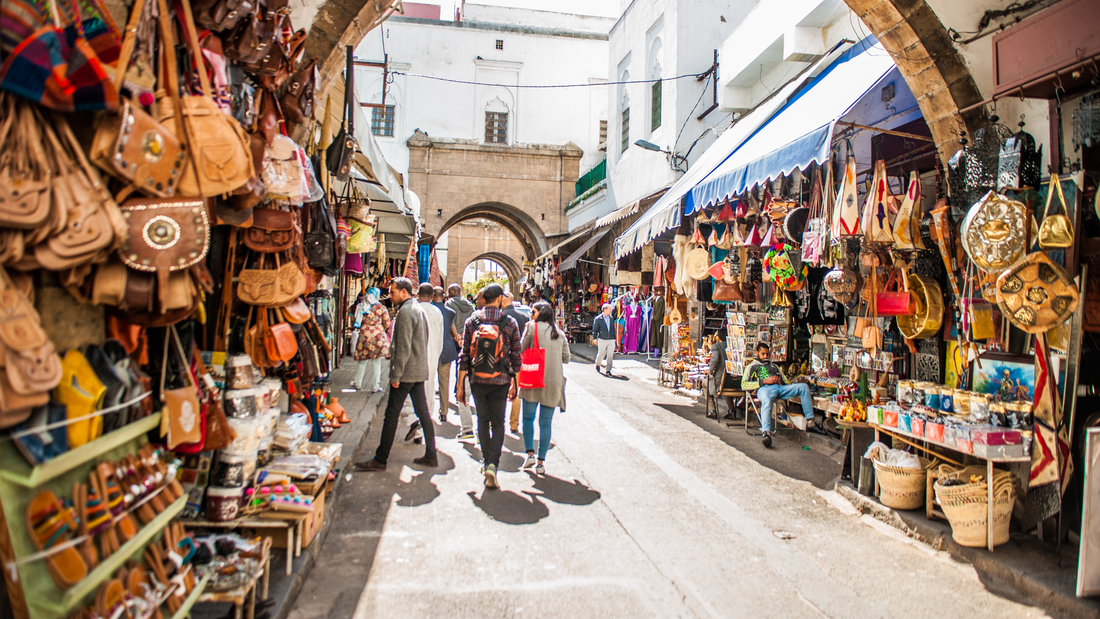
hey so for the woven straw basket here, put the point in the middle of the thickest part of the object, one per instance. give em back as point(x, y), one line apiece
point(902, 488)
point(967, 505)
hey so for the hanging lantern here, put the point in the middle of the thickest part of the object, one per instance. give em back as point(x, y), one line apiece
point(844, 283)
point(1019, 163)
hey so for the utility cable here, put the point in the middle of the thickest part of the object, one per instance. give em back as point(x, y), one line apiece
point(454, 81)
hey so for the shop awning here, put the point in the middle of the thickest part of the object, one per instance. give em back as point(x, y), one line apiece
point(571, 261)
point(630, 209)
point(801, 132)
point(665, 214)
point(572, 237)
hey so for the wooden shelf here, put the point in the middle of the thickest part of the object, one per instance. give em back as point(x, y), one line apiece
point(14, 468)
point(192, 598)
point(997, 459)
point(42, 593)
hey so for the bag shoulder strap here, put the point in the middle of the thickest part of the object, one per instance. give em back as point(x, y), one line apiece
point(173, 336)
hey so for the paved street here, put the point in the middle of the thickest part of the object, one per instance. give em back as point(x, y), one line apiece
point(642, 513)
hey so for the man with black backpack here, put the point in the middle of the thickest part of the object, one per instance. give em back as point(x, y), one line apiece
point(491, 358)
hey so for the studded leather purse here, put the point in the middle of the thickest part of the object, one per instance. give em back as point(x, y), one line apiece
point(166, 236)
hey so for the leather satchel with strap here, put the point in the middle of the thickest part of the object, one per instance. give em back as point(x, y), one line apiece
point(280, 343)
point(181, 422)
point(31, 365)
point(300, 99)
point(166, 236)
point(272, 231)
point(219, 146)
point(130, 144)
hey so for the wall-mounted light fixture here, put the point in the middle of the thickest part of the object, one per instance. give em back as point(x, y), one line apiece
point(438, 212)
point(675, 161)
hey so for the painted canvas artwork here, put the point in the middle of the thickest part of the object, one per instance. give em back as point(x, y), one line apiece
point(1010, 376)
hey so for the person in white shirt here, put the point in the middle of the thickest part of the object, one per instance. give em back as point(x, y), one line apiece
point(434, 319)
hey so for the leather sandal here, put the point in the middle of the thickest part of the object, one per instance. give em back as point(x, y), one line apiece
point(110, 594)
point(85, 528)
point(50, 523)
point(112, 491)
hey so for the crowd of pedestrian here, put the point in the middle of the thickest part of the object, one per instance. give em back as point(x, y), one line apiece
point(486, 338)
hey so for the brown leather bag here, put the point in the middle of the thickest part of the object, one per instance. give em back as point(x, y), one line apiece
point(255, 37)
point(31, 365)
point(297, 312)
point(726, 292)
point(291, 284)
point(279, 341)
point(24, 181)
point(300, 98)
point(258, 286)
point(166, 235)
point(219, 434)
point(254, 341)
point(219, 146)
point(276, 67)
point(131, 145)
point(221, 15)
point(272, 231)
point(181, 421)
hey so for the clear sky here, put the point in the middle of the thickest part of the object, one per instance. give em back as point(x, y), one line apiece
point(603, 8)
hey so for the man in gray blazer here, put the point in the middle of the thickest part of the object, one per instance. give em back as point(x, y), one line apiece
point(408, 372)
point(603, 330)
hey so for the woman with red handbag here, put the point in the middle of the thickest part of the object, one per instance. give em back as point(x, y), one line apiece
point(541, 380)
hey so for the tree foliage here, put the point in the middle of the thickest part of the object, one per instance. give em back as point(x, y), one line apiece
point(483, 281)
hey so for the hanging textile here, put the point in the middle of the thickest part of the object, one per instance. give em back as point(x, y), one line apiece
point(424, 262)
point(412, 270)
point(435, 276)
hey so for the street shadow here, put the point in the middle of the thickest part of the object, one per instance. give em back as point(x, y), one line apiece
point(563, 492)
point(445, 430)
point(509, 462)
point(509, 507)
point(473, 450)
point(421, 490)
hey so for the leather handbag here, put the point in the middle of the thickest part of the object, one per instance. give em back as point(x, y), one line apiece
point(258, 286)
point(283, 174)
point(1036, 294)
point(166, 236)
point(280, 344)
point(1056, 231)
point(272, 231)
point(24, 168)
point(181, 421)
point(343, 147)
point(82, 393)
point(290, 283)
point(300, 99)
point(255, 36)
point(320, 242)
point(724, 291)
point(220, 157)
point(130, 144)
point(221, 15)
point(253, 191)
point(296, 312)
point(894, 299)
point(31, 366)
point(253, 341)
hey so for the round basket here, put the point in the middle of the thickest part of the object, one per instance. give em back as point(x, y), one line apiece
point(967, 506)
point(902, 488)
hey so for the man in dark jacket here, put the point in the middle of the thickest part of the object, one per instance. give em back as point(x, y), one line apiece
point(408, 373)
point(603, 331)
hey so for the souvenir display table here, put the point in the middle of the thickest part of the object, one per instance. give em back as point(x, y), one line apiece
point(292, 527)
point(243, 597)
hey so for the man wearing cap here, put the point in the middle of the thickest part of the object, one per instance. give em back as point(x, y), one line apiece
point(603, 330)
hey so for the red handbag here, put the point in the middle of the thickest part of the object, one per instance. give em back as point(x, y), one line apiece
point(532, 373)
point(893, 301)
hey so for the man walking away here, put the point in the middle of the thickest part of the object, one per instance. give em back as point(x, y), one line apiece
point(434, 319)
point(408, 372)
point(490, 356)
point(451, 342)
point(603, 330)
point(508, 309)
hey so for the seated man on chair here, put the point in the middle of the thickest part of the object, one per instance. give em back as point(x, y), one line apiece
point(770, 385)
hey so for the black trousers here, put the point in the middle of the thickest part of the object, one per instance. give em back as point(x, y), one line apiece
point(393, 415)
point(491, 402)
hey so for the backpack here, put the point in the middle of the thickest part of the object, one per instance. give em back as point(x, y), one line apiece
point(489, 355)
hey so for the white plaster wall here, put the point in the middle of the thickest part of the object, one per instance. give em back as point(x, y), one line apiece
point(963, 16)
point(689, 31)
point(539, 18)
point(460, 52)
point(596, 206)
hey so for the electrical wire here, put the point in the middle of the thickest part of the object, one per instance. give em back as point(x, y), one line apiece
point(454, 81)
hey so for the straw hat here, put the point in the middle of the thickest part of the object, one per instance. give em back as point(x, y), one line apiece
point(697, 262)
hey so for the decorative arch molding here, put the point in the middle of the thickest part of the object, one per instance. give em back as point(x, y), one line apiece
point(520, 224)
point(925, 55)
point(508, 263)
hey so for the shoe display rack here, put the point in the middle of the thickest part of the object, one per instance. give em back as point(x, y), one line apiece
point(32, 590)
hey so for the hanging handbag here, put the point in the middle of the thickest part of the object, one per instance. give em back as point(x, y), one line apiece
point(300, 99)
point(255, 36)
point(343, 147)
point(815, 233)
point(894, 300)
point(24, 168)
point(283, 174)
point(258, 286)
point(31, 366)
point(320, 241)
point(1056, 231)
point(82, 394)
point(532, 373)
point(272, 231)
point(181, 422)
point(290, 283)
point(906, 231)
point(877, 209)
point(166, 236)
point(279, 341)
point(221, 15)
point(130, 144)
point(296, 312)
point(220, 155)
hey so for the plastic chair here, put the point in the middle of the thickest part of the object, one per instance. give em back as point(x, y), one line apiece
point(753, 402)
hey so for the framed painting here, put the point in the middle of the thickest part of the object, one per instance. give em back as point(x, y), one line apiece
point(779, 343)
point(1012, 376)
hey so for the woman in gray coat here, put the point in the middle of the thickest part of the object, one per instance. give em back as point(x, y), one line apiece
point(552, 395)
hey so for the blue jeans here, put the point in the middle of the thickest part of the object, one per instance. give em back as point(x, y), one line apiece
point(546, 415)
point(771, 393)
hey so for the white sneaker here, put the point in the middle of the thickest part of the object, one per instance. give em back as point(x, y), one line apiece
point(540, 469)
point(530, 462)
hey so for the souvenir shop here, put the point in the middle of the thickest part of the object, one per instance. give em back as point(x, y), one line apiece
point(172, 265)
point(939, 313)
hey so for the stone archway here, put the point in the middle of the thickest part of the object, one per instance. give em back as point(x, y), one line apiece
point(511, 267)
point(926, 56)
point(521, 225)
